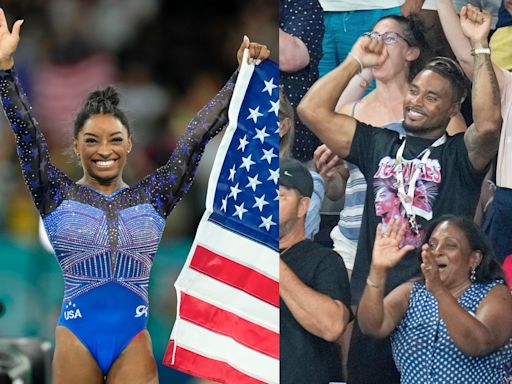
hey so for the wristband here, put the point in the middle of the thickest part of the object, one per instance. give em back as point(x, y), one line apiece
point(371, 283)
point(480, 51)
point(358, 60)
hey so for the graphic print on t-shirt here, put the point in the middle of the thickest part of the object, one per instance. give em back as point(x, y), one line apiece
point(387, 201)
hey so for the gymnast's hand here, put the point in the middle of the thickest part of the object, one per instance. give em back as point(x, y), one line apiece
point(8, 41)
point(257, 52)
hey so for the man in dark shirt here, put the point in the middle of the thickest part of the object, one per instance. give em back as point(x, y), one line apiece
point(314, 288)
point(417, 177)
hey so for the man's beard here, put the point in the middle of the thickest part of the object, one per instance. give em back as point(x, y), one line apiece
point(286, 227)
point(420, 131)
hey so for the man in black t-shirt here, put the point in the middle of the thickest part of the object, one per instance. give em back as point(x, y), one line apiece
point(314, 288)
point(417, 177)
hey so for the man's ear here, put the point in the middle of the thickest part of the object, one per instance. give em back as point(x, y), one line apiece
point(303, 207)
point(455, 109)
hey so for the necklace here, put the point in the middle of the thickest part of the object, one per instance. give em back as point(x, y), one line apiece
point(461, 290)
point(407, 197)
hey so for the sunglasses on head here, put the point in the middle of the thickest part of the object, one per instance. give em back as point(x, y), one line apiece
point(389, 38)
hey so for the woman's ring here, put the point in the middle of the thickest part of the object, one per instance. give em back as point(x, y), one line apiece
point(430, 266)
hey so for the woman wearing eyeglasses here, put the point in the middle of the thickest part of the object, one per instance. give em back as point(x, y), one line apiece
point(407, 51)
point(383, 107)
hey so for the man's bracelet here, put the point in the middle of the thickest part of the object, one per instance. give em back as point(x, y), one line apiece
point(371, 283)
point(480, 51)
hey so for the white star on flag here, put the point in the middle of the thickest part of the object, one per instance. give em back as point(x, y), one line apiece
point(232, 173)
point(275, 107)
point(267, 222)
point(243, 142)
point(239, 211)
point(254, 114)
point(261, 134)
point(253, 183)
point(247, 162)
point(268, 155)
point(269, 86)
point(260, 202)
point(274, 175)
point(234, 191)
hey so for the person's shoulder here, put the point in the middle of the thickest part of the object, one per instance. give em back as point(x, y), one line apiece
point(374, 130)
point(455, 140)
point(316, 249)
point(323, 254)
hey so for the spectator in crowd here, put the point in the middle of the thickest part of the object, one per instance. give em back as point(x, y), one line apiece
point(286, 136)
point(314, 288)
point(452, 166)
point(105, 259)
point(501, 39)
point(453, 325)
point(468, 47)
point(300, 47)
point(345, 21)
point(408, 51)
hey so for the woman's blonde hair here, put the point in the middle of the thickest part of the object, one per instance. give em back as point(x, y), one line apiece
point(286, 112)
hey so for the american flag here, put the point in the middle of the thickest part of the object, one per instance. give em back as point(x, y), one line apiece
point(227, 326)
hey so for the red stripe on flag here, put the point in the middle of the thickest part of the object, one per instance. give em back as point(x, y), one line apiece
point(236, 275)
point(227, 323)
point(201, 366)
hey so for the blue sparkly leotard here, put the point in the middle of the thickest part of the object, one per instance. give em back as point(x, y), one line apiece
point(105, 245)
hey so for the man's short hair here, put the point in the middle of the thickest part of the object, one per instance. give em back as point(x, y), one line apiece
point(294, 175)
point(452, 71)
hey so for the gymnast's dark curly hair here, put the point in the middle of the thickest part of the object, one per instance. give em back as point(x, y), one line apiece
point(413, 30)
point(103, 101)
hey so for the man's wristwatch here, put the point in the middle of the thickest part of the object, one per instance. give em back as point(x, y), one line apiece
point(480, 51)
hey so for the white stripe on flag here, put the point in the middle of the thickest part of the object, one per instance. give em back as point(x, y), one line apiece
point(231, 299)
point(219, 347)
point(238, 248)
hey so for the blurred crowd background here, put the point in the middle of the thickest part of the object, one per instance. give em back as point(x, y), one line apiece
point(167, 59)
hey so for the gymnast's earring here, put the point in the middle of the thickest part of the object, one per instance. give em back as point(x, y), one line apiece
point(472, 276)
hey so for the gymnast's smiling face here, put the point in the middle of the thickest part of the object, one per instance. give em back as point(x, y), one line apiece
point(103, 145)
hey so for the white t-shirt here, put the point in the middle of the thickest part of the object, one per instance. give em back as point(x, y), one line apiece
point(358, 5)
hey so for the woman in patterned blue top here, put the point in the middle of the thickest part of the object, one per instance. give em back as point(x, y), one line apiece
point(105, 233)
point(453, 326)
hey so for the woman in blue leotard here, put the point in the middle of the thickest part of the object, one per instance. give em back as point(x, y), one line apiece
point(104, 232)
